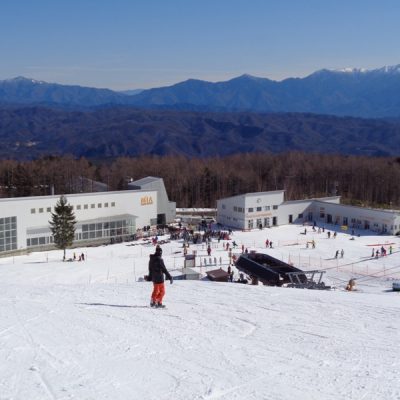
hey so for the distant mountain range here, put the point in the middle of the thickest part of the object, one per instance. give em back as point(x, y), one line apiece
point(348, 92)
point(22, 90)
point(33, 132)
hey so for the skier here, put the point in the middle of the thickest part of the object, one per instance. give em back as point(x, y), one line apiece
point(342, 253)
point(337, 253)
point(157, 271)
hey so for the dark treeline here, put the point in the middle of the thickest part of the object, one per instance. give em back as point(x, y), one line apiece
point(200, 182)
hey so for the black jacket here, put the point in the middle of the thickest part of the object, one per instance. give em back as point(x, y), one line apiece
point(157, 269)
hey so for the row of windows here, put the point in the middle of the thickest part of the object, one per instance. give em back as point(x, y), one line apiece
point(90, 231)
point(106, 229)
point(258, 209)
point(8, 246)
point(39, 241)
point(357, 223)
point(41, 210)
point(252, 209)
point(265, 222)
point(7, 227)
point(8, 220)
point(8, 240)
point(8, 234)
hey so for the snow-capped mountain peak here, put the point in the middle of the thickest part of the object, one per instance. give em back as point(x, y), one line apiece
point(391, 69)
point(24, 79)
point(351, 70)
point(388, 69)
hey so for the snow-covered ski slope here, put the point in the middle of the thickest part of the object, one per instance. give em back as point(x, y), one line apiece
point(84, 330)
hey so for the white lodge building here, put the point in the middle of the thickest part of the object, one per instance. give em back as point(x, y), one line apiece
point(101, 217)
point(265, 209)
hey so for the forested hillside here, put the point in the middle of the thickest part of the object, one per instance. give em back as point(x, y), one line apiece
point(196, 182)
point(34, 132)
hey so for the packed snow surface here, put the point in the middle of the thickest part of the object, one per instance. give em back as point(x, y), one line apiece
point(84, 330)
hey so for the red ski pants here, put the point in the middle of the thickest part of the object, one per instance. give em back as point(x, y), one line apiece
point(158, 292)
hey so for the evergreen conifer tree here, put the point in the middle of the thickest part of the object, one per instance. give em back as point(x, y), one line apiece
point(62, 224)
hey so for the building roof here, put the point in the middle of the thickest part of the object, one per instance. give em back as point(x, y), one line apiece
point(217, 274)
point(254, 194)
point(86, 185)
point(145, 181)
point(392, 212)
point(320, 199)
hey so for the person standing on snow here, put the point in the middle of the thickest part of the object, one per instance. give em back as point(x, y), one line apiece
point(157, 270)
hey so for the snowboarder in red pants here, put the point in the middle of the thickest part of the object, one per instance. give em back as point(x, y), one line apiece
point(157, 270)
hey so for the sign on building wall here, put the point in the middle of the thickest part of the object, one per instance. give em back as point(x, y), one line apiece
point(146, 200)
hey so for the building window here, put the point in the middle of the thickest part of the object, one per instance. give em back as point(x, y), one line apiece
point(33, 210)
point(107, 229)
point(105, 205)
point(48, 209)
point(300, 216)
point(92, 205)
point(39, 241)
point(267, 208)
point(250, 224)
point(274, 207)
point(78, 207)
point(99, 205)
point(223, 206)
point(322, 214)
point(235, 208)
point(250, 210)
point(85, 206)
point(8, 234)
point(259, 208)
point(113, 204)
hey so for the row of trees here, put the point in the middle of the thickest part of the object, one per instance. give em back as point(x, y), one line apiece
point(199, 182)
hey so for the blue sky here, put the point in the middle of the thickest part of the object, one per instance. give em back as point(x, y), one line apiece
point(129, 44)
